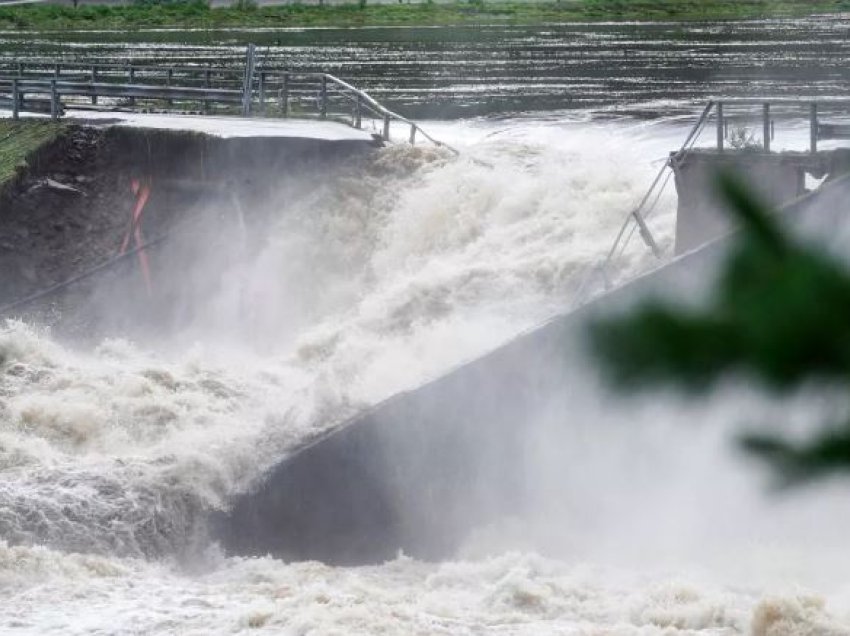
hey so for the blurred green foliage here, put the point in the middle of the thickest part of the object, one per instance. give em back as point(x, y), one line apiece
point(780, 312)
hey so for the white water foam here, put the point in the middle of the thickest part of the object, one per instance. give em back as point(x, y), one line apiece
point(383, 279)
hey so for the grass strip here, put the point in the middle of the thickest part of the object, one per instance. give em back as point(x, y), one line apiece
point(19, 139)
point(196, 14)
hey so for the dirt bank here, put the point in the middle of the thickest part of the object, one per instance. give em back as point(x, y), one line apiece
point(70, 210)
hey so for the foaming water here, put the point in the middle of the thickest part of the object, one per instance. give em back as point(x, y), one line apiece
point(387, 276)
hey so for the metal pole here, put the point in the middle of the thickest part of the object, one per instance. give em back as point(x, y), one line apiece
point(16, 100)
point(93, 80)
point(766, 129)
point(284, 96)
point(207, 84)
point(412, 135)
point(263, 92)
point(720, 124)
point(20, 69)
point(168, 79)
point(813, 128)
point(248, 83)
point(358, 113)
point(323, 105)
point(131, 79)
point(54, 100)
point(386, 127)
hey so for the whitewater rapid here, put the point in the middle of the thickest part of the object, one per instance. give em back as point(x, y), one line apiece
point(382, 278)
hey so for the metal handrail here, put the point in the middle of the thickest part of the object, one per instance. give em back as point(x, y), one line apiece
point(57, 86)
point(386, 112)
point(636, 218)
point(636, 213)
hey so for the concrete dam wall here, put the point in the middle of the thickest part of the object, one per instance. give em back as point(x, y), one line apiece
point(487, 442)
point(423, 470)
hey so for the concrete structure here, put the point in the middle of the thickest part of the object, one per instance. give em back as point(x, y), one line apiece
point(777, 178)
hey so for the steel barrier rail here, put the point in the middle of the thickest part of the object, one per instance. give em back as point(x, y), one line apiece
point(269, 84)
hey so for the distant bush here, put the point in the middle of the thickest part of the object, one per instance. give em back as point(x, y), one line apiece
point(181, 4)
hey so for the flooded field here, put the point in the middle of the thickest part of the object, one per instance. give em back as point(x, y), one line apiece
point(503, 70)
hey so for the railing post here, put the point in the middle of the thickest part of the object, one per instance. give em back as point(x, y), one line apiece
point(412, 134)
point(207, 84)
point(766, 129)
point(16, 100)
point(263, 92)
point(813, 128)
point(720, 125)
point(358, 113)
point(248, 80)
point(386, 128)
point(56, 70)
point(131, 79)
point(54, 100)
point(93, 80)
point(284, 96)
point(20, 69)
point(323, 105)
point(169, 76)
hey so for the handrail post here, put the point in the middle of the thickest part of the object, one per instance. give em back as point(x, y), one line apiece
point(263, 92)
point(168, 78)
point(54, 100)
point(207, 84)
point(248, 82)
point(766, 129)
point(813, 128)
point(412, 135)
point(16, 100)
point(323, 105)
point(93, 80)
point(720, 125)
point(131, 79)
point(358, 113)
point(386, 135)
point(20, 69)
point(284, 96)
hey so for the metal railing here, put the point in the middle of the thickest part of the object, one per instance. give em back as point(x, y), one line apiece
point(724, 112)
point(52, 87)
point(727, 111)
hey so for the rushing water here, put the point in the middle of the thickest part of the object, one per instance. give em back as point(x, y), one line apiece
point(380, 281)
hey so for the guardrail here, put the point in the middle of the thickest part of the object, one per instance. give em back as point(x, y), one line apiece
point(725, 113)
point(51, 87)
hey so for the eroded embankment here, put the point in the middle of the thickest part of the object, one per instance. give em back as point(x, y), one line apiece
point(69, 208)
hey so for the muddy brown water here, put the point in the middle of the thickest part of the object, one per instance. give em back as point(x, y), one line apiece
point(503, 70)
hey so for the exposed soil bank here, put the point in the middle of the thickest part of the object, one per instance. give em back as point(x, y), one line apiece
point(71, 210)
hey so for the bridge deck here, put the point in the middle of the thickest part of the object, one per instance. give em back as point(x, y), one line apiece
point(227, 127)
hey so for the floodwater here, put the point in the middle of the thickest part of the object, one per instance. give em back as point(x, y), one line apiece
point(504, 70)
point(381, 280)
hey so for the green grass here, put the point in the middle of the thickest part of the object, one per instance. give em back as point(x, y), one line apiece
point(196, 14)
point(19, 139)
